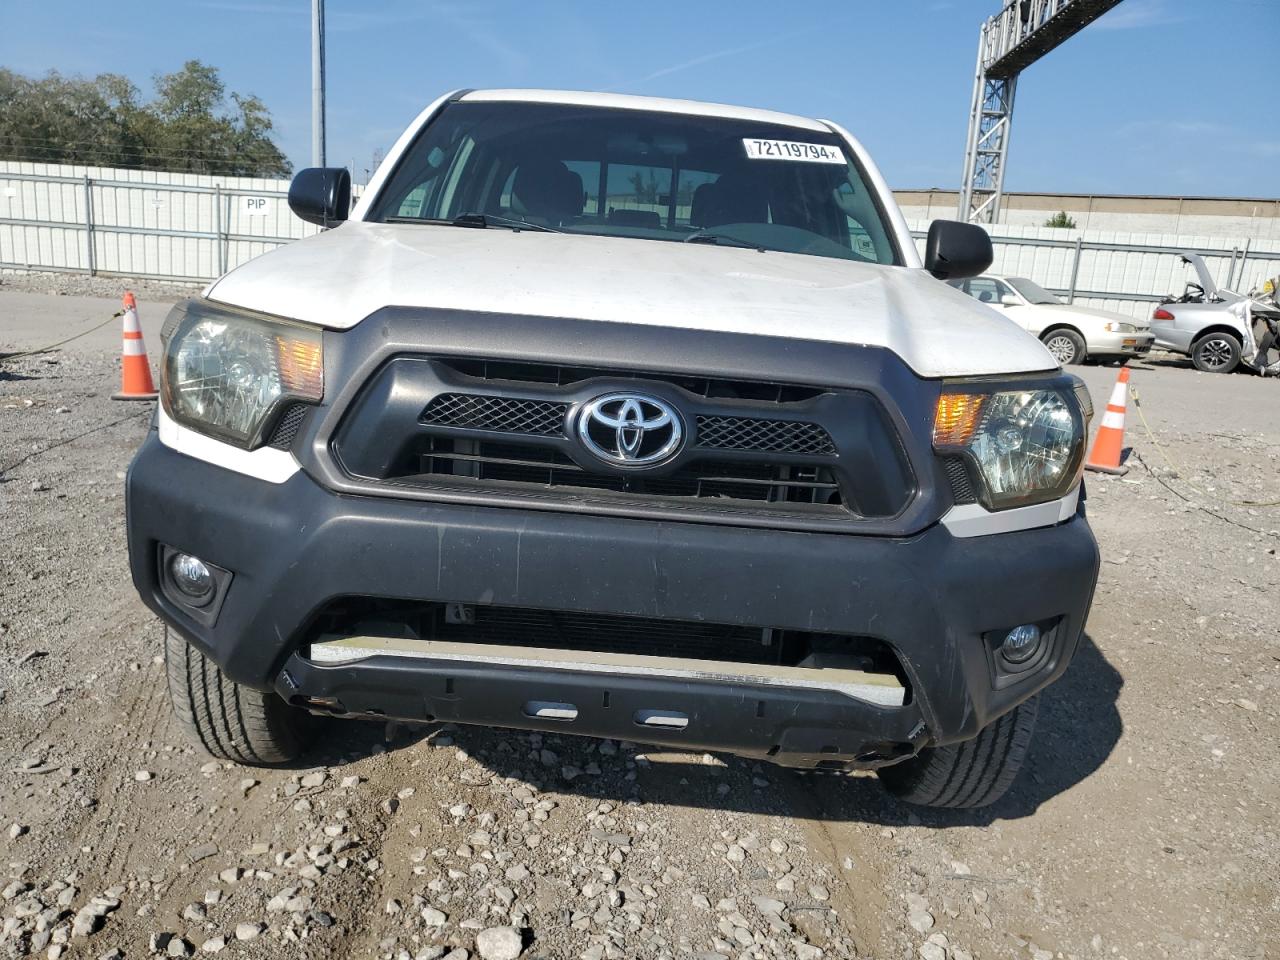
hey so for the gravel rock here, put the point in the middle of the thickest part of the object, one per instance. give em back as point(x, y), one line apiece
point(921, 921)
point(499, 943)
point(214, 944)
point(249, 931)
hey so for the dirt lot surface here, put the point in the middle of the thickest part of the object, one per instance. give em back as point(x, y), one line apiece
point(1144, 826)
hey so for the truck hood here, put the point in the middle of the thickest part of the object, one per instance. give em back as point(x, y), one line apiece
point(337, 278)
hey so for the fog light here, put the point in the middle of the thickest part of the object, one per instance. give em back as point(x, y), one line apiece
point(192, 577)
point(1021, 643)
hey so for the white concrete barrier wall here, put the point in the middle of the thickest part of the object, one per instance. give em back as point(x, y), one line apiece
point(1047, 255)
point(144, 222)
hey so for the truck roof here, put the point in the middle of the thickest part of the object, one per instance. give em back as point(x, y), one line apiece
point(622, 101)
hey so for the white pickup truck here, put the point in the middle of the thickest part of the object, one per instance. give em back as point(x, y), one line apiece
point(621, 417)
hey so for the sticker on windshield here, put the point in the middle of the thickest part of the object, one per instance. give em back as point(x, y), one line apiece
point(790, 150)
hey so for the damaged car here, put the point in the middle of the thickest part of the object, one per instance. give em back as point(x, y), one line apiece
point(1219, 329)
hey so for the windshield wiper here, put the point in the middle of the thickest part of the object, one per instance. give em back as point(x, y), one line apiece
point(477, 221)
point(705, 236)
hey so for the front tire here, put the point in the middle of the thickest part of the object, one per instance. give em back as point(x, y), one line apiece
point(1216, 353)
point(231, 721)
point(973, 773)
point(1067, 346)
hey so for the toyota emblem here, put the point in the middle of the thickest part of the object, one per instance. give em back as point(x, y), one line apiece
point(630, 429)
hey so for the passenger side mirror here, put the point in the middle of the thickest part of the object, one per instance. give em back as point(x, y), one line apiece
point(321, 195)
point(956, 250)
point(1009, 300)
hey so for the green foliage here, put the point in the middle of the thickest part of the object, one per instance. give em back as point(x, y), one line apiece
point(646, 190)
point(188, 125)
point(1061, 219)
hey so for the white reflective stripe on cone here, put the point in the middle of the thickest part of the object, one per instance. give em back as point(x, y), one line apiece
point(131, 324)
point(1113, 419)
point(134, 348)
point(1118, 393)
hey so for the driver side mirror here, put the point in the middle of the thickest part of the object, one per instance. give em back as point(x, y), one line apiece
point(956, 250)
point(321, 195)
point(1009, 300)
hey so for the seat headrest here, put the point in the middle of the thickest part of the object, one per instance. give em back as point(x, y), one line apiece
point(736, 197)
point(547, 189)
point(701, 205)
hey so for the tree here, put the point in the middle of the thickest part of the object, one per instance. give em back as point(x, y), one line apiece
point(646, 190)
point(187, 126)
point(1061, 219)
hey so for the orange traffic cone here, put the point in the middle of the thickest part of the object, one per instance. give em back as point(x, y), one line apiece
point(135, 370)
point(1105, 456)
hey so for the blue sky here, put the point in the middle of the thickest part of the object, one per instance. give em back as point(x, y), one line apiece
point(1159, 96)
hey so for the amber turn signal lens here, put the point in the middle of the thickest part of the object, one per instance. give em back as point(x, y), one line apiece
point(301, 365)
point(957, 417)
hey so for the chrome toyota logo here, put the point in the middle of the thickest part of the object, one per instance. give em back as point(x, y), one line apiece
point(630, 429)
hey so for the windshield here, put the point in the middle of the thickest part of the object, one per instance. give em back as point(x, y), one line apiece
point(639, 174)
point(1032, 292)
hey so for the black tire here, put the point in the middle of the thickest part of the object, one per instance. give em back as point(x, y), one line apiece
point(973, 773)
point(1216, 352)
point(1066, 345)
point(232, 721)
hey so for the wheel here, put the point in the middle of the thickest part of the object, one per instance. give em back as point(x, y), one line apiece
point(974, 773)
point(232, 721)
point(1067, 346)
point(1216, 353)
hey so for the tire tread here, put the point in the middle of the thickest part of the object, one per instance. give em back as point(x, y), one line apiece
point(973, 773)
point(229, 720)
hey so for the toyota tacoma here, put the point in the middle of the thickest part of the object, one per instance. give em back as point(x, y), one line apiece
point(624, 417)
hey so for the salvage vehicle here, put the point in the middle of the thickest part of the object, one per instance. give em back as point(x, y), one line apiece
point(626, 417)
point(1073, 334)
point(1217, 328)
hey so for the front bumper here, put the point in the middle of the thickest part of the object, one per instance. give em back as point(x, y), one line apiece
point(294, 546)
point(1122, 344)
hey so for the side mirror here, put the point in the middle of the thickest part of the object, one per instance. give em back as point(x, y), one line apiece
point(955, 250)
point(1009, 300)
point(321, 195)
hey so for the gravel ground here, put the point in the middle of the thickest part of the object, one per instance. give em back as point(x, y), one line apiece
point(1144, 826)
point(81, 285)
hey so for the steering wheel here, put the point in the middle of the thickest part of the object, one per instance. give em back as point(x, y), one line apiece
point(1192, 293)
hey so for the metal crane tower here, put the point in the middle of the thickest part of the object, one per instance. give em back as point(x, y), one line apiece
point(1012, 40)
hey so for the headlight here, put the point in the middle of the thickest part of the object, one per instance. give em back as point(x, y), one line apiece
point(1117, 327)
point(1028, 444)
point(227, 373)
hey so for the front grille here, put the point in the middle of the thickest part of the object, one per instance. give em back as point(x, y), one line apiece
point(760, 482)
point(557, 375)
point(757, 453)
point(541, 418)
point(770, 436)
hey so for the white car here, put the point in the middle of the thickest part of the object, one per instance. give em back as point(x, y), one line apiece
point(1072, 334)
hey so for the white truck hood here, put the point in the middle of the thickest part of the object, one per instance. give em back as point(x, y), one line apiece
point(341, 276)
